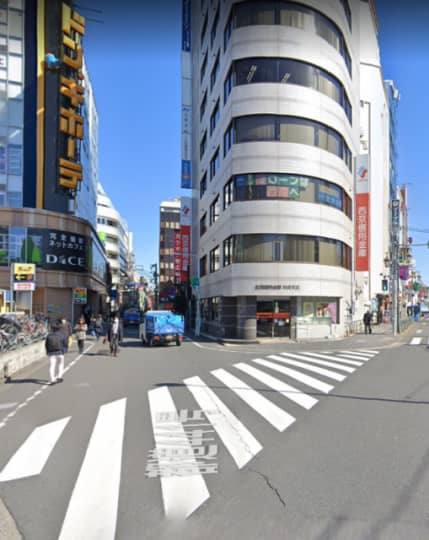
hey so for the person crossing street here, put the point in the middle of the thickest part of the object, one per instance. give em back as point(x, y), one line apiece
point(56, 345)
point(115, 335)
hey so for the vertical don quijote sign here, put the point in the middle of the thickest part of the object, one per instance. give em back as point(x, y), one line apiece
point(362, 215)
point(185, 231)
point(72, 99)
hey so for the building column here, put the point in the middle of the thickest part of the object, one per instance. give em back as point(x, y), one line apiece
point(246, 317)
point(228, 316)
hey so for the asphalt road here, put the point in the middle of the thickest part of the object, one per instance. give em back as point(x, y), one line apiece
point(326, 441)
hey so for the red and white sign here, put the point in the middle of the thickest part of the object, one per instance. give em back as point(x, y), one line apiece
point(177, 256)
point(22, 286)
point(362, 232)
point(186, 244)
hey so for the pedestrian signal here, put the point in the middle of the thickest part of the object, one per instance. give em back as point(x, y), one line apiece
point(384, 285)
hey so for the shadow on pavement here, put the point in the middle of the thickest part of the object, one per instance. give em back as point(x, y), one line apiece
point(9, 380)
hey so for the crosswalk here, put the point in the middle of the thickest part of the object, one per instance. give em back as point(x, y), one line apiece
point(182, 459)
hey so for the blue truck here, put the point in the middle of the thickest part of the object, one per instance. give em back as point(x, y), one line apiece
point(161, 327)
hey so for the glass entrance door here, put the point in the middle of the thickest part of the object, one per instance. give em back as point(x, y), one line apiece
point(273, 318)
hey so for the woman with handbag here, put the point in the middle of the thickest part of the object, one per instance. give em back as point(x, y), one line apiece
point(81, 329)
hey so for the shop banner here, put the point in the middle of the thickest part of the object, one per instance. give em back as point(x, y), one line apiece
point(177, 256)
point(185, 232)
point(80, 295)
point(362, 232)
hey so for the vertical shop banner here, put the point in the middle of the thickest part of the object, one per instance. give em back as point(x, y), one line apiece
point(185, 232)
point(362, 214)
point(177, 256)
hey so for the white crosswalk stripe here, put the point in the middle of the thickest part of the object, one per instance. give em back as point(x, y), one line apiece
point(276, 416)
point(368, 351)
point(182, 495)
point(305, 379)
point(309, 366)
point(416, 341)
point(32, 455)
point(286, 390)
point(363, 357)
point(326, 361)
point(240, 443)
point(93, 506)
point(352, 356)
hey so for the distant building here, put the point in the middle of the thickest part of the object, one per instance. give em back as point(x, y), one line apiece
point(48, 159)
point(169, 229)
point(117, 240)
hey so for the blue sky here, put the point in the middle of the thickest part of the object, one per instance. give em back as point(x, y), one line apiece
point(134, 63)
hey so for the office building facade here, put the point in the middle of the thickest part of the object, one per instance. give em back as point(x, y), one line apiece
point(275, 128)
point(169, 251)
point(48, 158)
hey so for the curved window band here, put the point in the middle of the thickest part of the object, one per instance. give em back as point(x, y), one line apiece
point(292, 129)
point(277, 186)
point(263, 12)
point(285, 70)
point(265, 248)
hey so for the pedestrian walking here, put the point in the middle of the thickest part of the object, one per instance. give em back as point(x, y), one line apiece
point(66, 329)
point(55, 345)
point(99, 326)
point(367, 322)
point(81, 329)
point(115, 335)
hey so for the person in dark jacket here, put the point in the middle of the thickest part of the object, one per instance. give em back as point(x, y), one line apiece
point(56, 345)
point(367, 322)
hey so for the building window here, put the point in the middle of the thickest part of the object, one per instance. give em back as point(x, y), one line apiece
point(204, 27)
point(204, 66)
point(203, 224)
point(203, 105)
point(228, 193)
point(227, 32)
point(250, 13)
point(228, 249)
point(203, 185)
point(214, 164)
point(287, 71)
point(215, 72)
point(203, 266)
point(228, 85)
point(214, 118)
point(228, 139)
point(214, 27)
point(347, 12)
point(215, 259)
point(203, 144)
point(257, 248)
point(214, 210)
point(270, 186)
point(264, 127)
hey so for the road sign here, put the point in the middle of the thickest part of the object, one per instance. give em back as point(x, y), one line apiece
point(195, 281)
point(80, 295)
point(24, 277)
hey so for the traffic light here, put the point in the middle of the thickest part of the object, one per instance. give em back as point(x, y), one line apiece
point(384, 284)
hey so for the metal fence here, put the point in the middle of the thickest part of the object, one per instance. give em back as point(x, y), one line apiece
point(20, 330)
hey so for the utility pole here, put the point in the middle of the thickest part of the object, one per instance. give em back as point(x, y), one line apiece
point(394, 265)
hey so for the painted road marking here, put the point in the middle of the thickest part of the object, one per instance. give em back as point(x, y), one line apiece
point(416, 341)
point(353, 356)
point(286, 390)
point(337, 363)
point(240, 443)
point(32, 455)
point(8, 405)
point(301, 377)
point(93, 507)
point(310, 367)
point(276, 416)
point(181, 495)
point(327, 373)
point(369, 351)
point(419, 331)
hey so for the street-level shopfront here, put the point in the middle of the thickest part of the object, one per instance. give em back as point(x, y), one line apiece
point(67, 254)
point(270, 316)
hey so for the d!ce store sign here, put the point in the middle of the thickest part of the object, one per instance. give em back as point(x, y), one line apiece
point(57, 250)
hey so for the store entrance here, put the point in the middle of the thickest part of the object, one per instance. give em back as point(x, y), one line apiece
point(273, 318)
